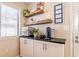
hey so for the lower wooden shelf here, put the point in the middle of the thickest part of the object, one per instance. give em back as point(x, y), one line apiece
point(39, 22)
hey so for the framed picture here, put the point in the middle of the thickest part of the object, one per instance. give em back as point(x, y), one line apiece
point(58, 13)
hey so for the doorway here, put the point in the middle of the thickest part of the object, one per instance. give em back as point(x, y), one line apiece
point(76, 36)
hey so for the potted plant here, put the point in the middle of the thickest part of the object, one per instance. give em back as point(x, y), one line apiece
point(25, 12)
point(35, 31)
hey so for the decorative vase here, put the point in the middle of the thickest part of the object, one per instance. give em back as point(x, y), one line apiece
point(35, 35)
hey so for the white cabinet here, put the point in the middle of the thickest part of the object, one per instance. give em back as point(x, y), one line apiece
point(26, 47)
point(39, 48)
point(54, 50)
point(47, 49)
point(36, 48)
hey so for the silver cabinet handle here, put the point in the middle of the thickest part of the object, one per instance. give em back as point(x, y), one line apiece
point(25, 41)
point(77, 39)
point(45, 46)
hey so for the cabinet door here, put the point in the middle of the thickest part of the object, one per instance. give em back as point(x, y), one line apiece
point(26, 47)
point(54, 50)
point(38, 48)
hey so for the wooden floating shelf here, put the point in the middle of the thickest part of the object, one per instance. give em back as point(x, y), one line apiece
point(39, 22)
point(34, 13)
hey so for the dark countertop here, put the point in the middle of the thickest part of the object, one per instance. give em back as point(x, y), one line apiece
point(53, 40)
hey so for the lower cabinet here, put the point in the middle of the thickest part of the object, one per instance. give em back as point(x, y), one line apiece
point(26, 47)
point(54, 50)
point(39, 49)
point(47, 49)
point(30, 48)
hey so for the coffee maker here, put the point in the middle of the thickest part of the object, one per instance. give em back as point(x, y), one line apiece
point(50, 32)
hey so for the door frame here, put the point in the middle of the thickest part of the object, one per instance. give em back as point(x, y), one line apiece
point(73, 27)
point(75, 33)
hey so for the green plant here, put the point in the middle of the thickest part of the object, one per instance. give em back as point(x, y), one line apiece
point(25, 11)
point(35, 31)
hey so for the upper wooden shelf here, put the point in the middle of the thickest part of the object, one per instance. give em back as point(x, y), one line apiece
point(34, 13)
